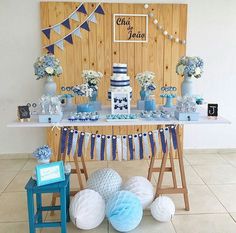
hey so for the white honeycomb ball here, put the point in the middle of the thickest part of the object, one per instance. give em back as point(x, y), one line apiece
point(87, 209)
point(142, 188)
point(146, 6)
point(105, 181)
point(163, 209)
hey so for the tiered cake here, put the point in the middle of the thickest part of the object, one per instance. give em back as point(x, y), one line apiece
point(120, 82)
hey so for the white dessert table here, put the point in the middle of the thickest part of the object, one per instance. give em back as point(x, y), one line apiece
point(204, 120)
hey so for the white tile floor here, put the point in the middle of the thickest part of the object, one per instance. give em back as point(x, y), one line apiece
point(211, 182)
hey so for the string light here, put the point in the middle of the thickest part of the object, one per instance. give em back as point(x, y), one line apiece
point(161, 28)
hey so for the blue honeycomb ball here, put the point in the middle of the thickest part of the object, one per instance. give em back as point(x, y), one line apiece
point(124, 211)
point(105, 181)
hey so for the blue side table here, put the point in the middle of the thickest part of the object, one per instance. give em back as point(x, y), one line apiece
point(35, 219)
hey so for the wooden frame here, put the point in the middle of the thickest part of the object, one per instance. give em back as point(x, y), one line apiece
point(130, 41)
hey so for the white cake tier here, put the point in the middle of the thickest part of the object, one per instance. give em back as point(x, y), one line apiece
point(120, 89)
point(120, 77)
point(119, 65)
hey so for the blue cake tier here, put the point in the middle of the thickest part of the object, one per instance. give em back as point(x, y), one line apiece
point(120, 83)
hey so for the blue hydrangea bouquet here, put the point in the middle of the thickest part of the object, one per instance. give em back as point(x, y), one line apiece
point(47, 66)
point(191, 67)
point(43, 154)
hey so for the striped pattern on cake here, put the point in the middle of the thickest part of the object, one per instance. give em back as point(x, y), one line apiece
point(119, 68)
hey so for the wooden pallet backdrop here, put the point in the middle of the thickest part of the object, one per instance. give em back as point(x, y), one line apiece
point(96, 50)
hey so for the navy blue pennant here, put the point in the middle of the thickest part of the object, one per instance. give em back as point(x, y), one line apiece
point(47, 32)
point(131, 147)
point(140, 138)
point(92, 146)
point(174, 137)
point(50, 48)
point(114, 147)
point(152, 143)
point(80, 144)
point(66, 23)
point(163, 141)
point(103, 141)
point(85, 26)
point(82, 9)
point(69, 39)
point(70, 140)
point(99, 10)
point(63, 139)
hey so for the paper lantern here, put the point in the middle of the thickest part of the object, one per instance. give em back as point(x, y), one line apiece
point(124, 211)
point(142, 188)
point(87, 209)
point(105, 181)
point(162, 209)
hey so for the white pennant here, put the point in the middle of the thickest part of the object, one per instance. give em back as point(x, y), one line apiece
point(57, 29)
point(74, 16)
point(60, 44)
point(74, 142)
point(87, 136)
point(77, 33)
point(92, 18)
point(124, 147)
point(146, 147)
point(136, 146)
point(98, 147)
point(108, 147)
point(167, 137)
point(119, 147)
point(156, 140)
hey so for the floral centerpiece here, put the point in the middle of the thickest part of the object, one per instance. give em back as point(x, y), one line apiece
point(84, 90)
point(43, 154)
point(189, 68)
point(47, 67)
point(145, 81)
point(92, 78)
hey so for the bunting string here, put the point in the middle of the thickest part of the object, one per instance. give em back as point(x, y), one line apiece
point(77, 31)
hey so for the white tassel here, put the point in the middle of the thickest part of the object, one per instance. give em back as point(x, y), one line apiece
point(74, 142)
point(98, 147)
point(108, 147)
point(119, 147)
point(124, 147)
point(136, 146)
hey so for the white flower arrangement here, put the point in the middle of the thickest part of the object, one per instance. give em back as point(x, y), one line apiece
point(92, 78)
point(145, 80)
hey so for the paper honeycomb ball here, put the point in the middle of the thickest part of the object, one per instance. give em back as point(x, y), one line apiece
point(162, 209)
point(105, 181)
point(142, 188)
point(87, 209)
point(124, 211)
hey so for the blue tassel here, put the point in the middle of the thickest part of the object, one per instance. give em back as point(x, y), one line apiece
point(114, 147)
point(174, 137)
point(152, 143)
point(63, 139)
point(80, 144)
point(140, 137)
point(92, 146)
point(163, 141)
point(103, 141)
point(131, 147)
point(70, 140)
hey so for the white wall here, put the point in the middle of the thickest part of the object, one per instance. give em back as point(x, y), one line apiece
point(211, 35)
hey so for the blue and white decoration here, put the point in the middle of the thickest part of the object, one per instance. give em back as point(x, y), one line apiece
point(119, 147)
point(66, 23)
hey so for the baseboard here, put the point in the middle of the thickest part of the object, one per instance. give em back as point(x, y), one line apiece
point(210, 151)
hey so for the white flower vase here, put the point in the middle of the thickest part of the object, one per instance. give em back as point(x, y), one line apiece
point(50, 87)
point(187, 87)
point(40, 161)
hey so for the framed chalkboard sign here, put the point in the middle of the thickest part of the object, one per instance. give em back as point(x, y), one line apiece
point(23, 113)
point(212, 110)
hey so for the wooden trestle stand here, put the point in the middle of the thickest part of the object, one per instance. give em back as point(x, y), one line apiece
point(161, 170)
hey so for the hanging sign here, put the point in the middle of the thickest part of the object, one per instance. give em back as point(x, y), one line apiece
point(130, 28)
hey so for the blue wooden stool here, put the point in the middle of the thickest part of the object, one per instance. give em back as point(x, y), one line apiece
point(36, 220)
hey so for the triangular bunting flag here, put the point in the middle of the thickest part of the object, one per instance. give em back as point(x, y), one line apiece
point(60, 44)
point(50, 48)
point(74, 16)
point(66, 23)
point(46, 32)
point(92, 18)
point(77, 32)
point(99, 10)
point(69, 39)
point(85, 26)
point(82, 9)
point(57, 29)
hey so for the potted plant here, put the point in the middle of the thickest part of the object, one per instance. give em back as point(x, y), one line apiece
point(145, 81)
point(47, 67)
point(189, 68)
point(43, 154)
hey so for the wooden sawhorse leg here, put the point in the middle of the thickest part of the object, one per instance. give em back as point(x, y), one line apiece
point(164, 168)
